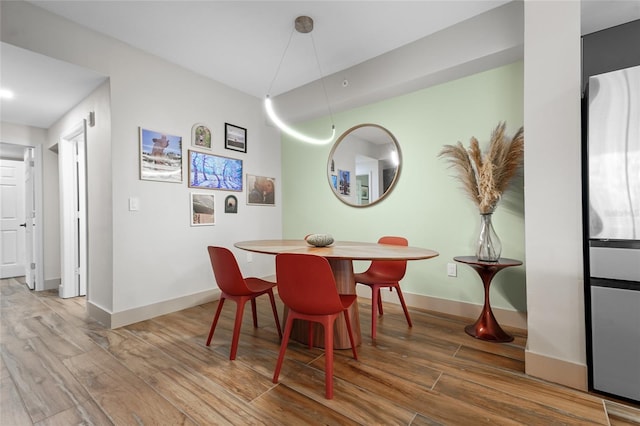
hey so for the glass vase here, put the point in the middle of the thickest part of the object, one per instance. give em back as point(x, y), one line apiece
point(489, 246)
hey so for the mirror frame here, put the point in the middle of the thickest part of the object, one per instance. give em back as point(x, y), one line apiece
point(337, 144)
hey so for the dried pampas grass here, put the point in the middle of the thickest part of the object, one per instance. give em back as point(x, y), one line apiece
point(485, 177)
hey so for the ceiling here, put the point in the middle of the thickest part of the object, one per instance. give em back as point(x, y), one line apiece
point(44, 88)
point(241, 43)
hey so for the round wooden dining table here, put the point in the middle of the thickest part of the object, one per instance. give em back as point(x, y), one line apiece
point(340, 255)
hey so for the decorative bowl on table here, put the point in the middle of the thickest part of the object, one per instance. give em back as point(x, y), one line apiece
point(319, 240)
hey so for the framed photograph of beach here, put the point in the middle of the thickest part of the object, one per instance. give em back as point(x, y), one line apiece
point(235, 137)
point(202, 209)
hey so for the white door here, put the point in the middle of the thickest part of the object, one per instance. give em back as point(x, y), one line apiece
point(71, 168)
point(12, 218)
point(30, 216)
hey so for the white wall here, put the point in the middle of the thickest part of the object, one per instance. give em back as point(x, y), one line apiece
point(555, 303)
point(157, 256)
point(99, 164)
point(150, 267)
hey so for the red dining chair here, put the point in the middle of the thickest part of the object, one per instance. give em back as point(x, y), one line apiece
point(234, 287)
point(384, 274)
point(307, 287)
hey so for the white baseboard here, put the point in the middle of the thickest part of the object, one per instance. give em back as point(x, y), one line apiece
point(99, 314)
point(544, 367)
point(52, 284)
point(142, 313)
point(451, 307)
point(556, 370)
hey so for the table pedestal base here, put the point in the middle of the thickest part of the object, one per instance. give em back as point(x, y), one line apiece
point(346, 284)
point(488, 329)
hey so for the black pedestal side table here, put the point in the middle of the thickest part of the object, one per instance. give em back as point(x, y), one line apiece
point(486, 327)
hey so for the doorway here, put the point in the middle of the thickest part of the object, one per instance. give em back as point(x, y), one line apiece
point(73, 211)
point(22, 230)
point(11, 218)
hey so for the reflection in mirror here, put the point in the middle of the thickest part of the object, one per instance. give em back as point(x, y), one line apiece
point(364, 164)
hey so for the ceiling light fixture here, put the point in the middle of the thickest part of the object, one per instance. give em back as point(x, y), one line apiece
point(303, 25)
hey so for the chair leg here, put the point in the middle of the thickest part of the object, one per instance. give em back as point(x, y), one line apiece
point(328, 355)
point(375, 294)
point(236, 328)
point(404, 306)
point(353, 345)
point(380, 310)
point(254, 312)
point(215, 320)
point(275, 313)
point(283, 346)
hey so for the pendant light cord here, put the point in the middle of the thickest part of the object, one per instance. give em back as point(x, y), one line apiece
point(281, 61)
point(315, 53)
point(324, 88)
point(304, 25)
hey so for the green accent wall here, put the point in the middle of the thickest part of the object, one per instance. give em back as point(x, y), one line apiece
point(427, 205)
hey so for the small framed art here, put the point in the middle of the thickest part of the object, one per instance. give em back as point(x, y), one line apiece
point(231, 204)
point(364, 195)
point(202, 209)
point(235, 137)
point(160, 156)
point(208, 171)
point(344, 183)
point(201, 136)
point(261, 190)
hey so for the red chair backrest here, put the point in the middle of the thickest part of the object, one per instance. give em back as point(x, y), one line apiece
point(391, 270)
point(306, 284)
point(227, 272)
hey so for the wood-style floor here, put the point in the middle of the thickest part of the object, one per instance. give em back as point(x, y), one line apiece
point(61, 368)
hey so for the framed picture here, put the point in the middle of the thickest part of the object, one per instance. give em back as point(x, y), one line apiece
point(365, 193)
point(210, 171)
point(231, 204)
point(344, 182)
point(160, 156)
point(201, 136)
point(261, 190)
point(235, 137)
point(334, 181)
point(202, 209)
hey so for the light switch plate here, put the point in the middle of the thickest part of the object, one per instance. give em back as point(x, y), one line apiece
point(134, 204)
point(452, 270)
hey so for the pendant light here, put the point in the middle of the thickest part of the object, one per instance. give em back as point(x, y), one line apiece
point(303, 25)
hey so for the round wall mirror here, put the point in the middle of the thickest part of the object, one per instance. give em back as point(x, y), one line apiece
point(364, 165)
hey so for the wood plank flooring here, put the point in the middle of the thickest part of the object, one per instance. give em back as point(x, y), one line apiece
point(58, 367)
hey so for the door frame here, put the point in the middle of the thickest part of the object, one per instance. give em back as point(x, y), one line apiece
point(38, 248)
point(73, 211)
point(33, 219)
point(38, 222)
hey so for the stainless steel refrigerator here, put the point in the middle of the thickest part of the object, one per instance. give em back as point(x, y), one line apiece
point(613, 168)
